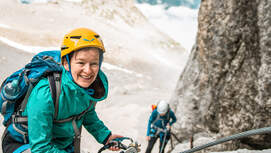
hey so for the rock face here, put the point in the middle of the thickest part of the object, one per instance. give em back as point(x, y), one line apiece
point(225, 87)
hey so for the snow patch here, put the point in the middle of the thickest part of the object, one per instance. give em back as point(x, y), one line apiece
point(30, 49)
point(113, 67)
point(180, 22)
point(4, 26)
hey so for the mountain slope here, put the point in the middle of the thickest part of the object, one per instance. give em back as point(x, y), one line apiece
point(131, 41)
point(142, 63)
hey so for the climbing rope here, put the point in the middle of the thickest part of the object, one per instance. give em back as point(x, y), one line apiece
point(232, 137)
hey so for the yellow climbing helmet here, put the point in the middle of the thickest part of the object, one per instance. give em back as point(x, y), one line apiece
point(80, 38)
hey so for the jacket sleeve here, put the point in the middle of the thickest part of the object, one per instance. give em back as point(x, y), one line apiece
point(96, 127)
point(173, 117)
point(40, 112)
point(151, 119)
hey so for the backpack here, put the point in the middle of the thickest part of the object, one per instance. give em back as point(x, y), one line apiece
point(16, 88)
point(153, 107)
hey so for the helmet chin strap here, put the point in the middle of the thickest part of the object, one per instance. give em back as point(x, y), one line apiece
point(101, 57)
point(89, 91)
point(68, 61)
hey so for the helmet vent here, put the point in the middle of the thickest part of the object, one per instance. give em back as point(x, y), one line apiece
point(62, 48)
point(75, 37)
point(96, 36)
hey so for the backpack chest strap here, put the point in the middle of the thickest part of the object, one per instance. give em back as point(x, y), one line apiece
point(158, 117)
point(75, 117)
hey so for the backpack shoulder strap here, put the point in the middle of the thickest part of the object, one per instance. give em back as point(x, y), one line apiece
point(156, 119)
point(168, 114)
point(25, 100)
point(55, 88)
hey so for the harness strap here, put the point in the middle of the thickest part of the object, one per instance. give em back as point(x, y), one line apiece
point(158, 129)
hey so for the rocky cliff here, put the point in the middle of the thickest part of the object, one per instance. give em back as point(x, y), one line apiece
point(225, 87)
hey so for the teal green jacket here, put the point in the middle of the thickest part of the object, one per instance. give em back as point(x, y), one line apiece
point(48, 137)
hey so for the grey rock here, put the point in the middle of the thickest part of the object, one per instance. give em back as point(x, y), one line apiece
point(225, 87)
